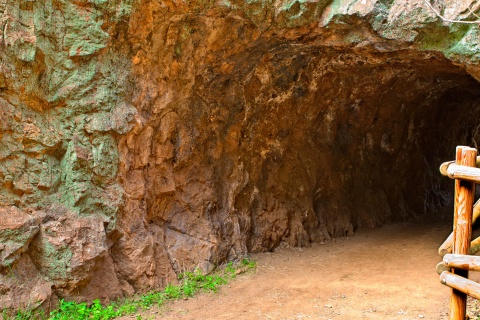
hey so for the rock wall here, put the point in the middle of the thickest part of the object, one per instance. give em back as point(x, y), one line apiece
point(140, 139)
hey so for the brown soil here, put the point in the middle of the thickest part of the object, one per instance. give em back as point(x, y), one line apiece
point(387, 273)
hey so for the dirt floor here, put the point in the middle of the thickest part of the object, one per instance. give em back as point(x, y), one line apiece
point(386, 273)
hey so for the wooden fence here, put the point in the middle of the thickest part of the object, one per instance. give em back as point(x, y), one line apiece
point(458, 251)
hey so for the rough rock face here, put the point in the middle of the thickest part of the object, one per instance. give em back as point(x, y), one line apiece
point(139, 139)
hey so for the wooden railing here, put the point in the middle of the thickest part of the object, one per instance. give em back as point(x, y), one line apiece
point(459, 249)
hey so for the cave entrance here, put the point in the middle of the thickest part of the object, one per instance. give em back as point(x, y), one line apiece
point(345, 139)
point(323, 142)
point(293, 142)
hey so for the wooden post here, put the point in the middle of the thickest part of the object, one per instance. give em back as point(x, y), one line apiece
point(446, 246)
point(462, 226)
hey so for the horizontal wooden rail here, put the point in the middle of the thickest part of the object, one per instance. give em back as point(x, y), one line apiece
point(447, 245)
point(460, 283)
point(444, 166)
point(460, 261)
point(455, 171)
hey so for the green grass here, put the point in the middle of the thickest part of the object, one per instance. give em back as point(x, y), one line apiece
point(190, 283)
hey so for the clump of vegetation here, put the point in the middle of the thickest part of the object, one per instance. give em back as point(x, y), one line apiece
point(190, 283)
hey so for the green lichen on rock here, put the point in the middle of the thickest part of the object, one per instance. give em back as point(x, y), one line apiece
point(437, 37)
point(84, 35)
point(55, 261)
point(16, 232)
point(297, 13)
point(63, 107)
point(49, 153)
point(14, 242)
point(468, 47)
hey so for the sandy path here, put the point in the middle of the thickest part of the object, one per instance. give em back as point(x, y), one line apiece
point(388, 273)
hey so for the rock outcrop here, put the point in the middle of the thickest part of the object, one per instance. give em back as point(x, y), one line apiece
point(140, 139)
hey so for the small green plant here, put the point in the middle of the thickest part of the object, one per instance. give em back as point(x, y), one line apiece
point(127, 306)
point(250, 264)
point(152, 298)
point(69, 310)
point(172, 292)
point(190, 284)
point(230, 269)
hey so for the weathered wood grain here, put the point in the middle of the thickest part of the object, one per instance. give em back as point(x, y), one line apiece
point(464, 262)
point(447, 245)
point(462, 227)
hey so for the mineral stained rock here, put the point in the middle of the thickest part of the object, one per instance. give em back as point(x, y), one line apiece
point(140, 139)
